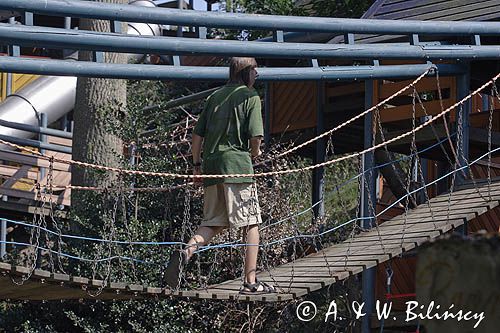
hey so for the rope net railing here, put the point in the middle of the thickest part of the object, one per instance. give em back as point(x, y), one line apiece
point(287, 232)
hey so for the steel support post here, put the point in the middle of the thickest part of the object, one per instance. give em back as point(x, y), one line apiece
point(179, 6)
point(3, 238)
point(368, 193)
point(43, 139)
point(10, 51)
point(319, 156)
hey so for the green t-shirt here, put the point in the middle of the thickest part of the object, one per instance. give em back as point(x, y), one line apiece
point(232, 116)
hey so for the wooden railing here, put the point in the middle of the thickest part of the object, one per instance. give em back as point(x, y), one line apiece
point(20, 172)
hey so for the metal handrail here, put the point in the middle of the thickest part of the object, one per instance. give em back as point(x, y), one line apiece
point(36, 144)
point(36, 129)
point(154, 72)
point(113, 42)
point(89, 9)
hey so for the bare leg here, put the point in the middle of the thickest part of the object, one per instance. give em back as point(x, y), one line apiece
point(202, 236)
point(251, 237)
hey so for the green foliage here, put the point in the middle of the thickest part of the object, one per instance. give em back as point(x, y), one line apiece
point(274, 7)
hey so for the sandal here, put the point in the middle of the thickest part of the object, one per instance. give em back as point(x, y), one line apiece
point(257, 288)
point(173, 271)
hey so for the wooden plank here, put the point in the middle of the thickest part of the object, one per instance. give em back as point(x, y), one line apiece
point(59, 141)
point(402, 112)
point(79, 280)
point(343, 90)
point(431, 224)
point(32, 196)
point(437, 11)
point(25, 208)
point(359, 256)
point(393, 247)
point(388, 89)
point(414, 231)
point(443, 215)
point(398, 6)
point(473, 212)
point(52, 292)
point(296, 289)
point(16, 157)
point(482, 136)
point(208, 295)
point(470, 201)
point(282, 290)
point(457, 13)
point(5, 267)
point(273, 276)
point(9, 171)
point(11, 290)
point(439, 214)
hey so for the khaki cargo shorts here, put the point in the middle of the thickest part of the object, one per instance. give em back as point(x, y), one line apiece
point(232, 205)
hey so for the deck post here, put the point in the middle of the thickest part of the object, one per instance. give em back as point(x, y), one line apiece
point(463, 88)
point(3, 238)
point(43, 138)
point(368, 188)
point(319, 156)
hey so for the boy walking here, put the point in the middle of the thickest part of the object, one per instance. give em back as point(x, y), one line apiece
point(230, 130)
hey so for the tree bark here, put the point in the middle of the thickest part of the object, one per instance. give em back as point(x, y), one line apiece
point(99, 103)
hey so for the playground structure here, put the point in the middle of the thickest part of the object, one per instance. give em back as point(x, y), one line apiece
point(378, 70)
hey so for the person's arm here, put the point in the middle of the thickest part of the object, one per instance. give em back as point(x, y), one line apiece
point(196, 151)
point(255, 125)
point(197, 142)
point(196, 148)
point(255, 146)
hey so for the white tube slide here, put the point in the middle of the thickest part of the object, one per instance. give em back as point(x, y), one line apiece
point(55, 95)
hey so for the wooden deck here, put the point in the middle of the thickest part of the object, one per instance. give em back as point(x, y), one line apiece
point(20, 171)
point(295, 279)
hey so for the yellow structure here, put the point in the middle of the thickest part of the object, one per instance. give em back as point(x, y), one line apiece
point(18, 81)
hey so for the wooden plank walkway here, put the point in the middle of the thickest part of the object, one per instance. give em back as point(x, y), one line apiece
point(295, 279)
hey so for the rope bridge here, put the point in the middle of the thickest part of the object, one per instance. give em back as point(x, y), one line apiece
point(306, 272)
point(294, 279)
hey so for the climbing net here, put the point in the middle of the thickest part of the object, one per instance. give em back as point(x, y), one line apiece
point(284, 187)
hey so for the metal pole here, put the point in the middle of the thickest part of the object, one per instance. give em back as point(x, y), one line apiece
point(12, 20)
point(368, 192)
point(35, 129)
point(319, 156)
point(43, 139)
point(93, 41)
point(485, 105)
point(179, 28)
point(126, 13)
point(36, 143)
point(154, 72)
point(3, 238)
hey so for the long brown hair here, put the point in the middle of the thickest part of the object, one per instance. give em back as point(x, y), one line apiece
point(239, 69)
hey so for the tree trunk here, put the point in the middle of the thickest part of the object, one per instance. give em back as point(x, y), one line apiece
point(99, 104)
point(394, 175)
